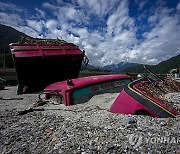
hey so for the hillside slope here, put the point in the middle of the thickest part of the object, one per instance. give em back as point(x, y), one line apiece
point(119, 67)
point(8, 35)
point(161, 68)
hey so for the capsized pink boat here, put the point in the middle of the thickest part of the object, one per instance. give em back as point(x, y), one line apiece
point(80, 90)
point(141, 97)
point(147, 96)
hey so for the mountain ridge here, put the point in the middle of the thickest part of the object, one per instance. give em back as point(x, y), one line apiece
point(120, 67)
point(8, 35)
point(162, 67)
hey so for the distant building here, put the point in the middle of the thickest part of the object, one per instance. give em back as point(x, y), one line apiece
point(175, 72)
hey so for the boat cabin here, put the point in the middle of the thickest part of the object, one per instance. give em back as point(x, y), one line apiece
point(80, 90)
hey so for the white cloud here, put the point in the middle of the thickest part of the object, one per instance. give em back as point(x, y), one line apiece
point(141, 3)
point(99, 8)
point(36, 25)
point(10, 7)
point(163, 40)
point(51, 24)
point(68, 13)
point(81, 32)
point(97, 45)
point(153, 18)
point(10, 19)
point(119, 19)
point(13, 15)
point(10, 14)
point(27, 30)
point(49, 6)
point(41, 13)
point(71, 13)
point(178, 6)
point(109, 40)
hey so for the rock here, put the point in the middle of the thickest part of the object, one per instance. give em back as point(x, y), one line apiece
point(129, 122)
point(82, 129)
point(163, 122)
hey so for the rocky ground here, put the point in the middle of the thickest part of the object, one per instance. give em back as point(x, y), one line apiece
point(82, 128)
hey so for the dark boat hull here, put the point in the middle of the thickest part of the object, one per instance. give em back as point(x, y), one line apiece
point(36, 69)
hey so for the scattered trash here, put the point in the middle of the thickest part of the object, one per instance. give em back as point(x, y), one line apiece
point(1, 98)
point(29, 110)
point(129, 122)
point(40, 102)
point(54, 139)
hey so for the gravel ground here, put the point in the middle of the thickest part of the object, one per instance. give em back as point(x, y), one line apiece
point(82, 128)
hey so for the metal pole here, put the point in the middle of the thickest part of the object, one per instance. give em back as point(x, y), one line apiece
point(4, 56)
point(4, 64)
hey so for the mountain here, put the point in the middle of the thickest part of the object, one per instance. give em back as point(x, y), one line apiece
point(8, 35)
point(119, 67)
point(161, 68)
point(92, 68)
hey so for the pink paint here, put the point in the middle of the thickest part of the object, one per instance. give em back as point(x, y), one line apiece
point(36, 50)
point(81, 82)
point(125, 104)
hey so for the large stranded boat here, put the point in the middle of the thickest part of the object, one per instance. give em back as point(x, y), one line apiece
point(40, 62)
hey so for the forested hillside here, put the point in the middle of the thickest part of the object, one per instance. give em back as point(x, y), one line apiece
point(8, 35)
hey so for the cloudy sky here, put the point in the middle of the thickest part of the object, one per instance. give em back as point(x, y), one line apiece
point(110, 31)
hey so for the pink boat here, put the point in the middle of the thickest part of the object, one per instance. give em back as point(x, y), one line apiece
point(40, 62)
point(142, 98)
point(80, 90)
